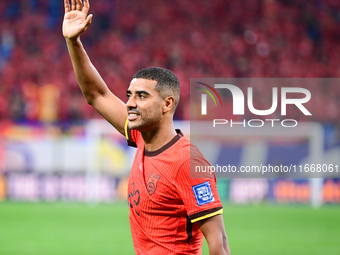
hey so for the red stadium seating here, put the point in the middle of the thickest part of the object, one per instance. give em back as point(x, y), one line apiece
point(219, 38)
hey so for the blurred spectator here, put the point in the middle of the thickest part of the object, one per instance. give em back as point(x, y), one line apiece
point(205, 38)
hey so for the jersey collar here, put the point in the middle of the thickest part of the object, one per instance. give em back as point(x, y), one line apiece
point(166, 146)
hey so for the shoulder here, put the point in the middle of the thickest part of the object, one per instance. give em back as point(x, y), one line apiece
point(192, 160)
point(185, 150)
point(191, 151)
point(190, 155)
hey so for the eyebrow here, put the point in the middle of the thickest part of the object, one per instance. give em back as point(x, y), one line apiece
point(138, 92)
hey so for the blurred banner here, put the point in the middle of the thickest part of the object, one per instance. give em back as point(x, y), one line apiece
point(91, 162)
point(282, 191)
point(51, 163)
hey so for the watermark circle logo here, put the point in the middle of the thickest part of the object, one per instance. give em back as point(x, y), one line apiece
point(204, 96)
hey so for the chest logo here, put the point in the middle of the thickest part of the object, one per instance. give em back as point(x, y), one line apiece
point(152, 183)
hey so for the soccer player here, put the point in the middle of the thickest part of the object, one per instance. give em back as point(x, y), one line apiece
point(169, 211)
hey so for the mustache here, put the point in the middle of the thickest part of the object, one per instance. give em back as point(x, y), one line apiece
point(134, 110)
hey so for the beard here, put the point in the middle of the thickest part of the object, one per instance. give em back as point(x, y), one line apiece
point(145, 122)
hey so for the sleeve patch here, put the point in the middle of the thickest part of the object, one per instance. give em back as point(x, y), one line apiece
point(203, 193)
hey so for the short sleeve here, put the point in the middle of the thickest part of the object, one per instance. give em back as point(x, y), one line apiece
point(199, 195)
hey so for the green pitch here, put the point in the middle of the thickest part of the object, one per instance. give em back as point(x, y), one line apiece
point(77, 229)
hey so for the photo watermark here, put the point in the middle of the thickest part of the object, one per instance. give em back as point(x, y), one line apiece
point(264, 127)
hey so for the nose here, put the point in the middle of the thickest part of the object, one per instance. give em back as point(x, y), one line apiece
point(131, 103)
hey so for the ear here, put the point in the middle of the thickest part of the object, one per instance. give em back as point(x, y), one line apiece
point(168, 104)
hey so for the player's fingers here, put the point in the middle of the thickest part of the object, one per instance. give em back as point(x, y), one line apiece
point(86, 6)
point(88, 20)
point(73, 5)
point(79, 5)
point(67, 6)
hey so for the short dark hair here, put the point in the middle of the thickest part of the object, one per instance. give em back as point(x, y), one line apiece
point(167, 81)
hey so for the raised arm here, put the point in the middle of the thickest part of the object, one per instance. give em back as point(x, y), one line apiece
point(91, 83)
point(213, 231)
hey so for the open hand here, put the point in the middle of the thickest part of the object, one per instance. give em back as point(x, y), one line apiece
point(76, 20)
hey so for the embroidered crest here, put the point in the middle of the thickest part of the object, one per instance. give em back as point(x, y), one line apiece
point(203, 193)
point(152, 183)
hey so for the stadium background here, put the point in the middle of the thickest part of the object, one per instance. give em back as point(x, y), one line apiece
point(63, 171)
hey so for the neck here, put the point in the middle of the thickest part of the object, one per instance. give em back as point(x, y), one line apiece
point(156, 138)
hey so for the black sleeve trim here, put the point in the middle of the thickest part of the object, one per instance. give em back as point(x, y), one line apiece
point(203, 213)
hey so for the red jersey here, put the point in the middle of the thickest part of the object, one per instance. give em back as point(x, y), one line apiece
point(164, 201)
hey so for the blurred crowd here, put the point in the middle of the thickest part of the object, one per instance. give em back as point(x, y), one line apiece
point(202, 38)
